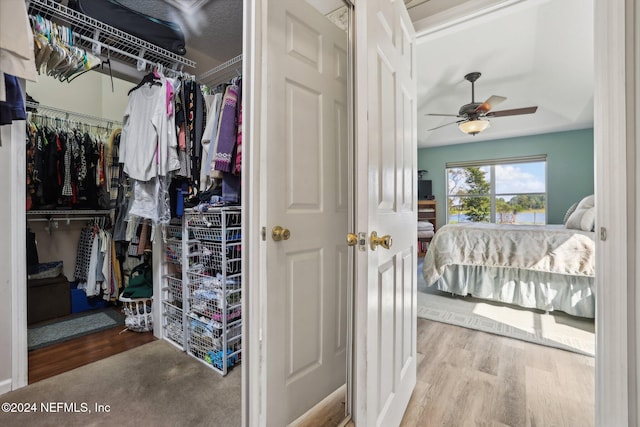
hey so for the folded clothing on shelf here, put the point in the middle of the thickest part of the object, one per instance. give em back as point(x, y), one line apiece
point(425, 226)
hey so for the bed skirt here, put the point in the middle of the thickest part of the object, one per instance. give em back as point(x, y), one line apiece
point(532, 289)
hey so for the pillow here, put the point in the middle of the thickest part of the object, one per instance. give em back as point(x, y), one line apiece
point(584, 216)
point(571, 209)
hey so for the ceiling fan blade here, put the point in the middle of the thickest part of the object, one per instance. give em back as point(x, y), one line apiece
point(443, 115)
point(446, 124)
point(513, 112)
point(491, 102)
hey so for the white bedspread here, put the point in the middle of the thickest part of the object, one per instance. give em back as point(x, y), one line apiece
point(546, 267)
point(550, 248)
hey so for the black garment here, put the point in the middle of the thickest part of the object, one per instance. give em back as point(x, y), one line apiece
point(50, 188)
point(13, 108)
point(32, 250)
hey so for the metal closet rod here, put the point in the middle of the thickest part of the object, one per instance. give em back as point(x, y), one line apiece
point(67, 219)
point(220, 73)
point(70, 115)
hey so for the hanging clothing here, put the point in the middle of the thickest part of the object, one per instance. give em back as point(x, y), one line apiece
point(112, 166)
point(63, 169)
point(238, 160)
point(148, 139)
point(209, 142)
point(227, 130)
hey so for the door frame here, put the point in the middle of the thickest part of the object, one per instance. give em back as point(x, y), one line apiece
point(615, 132)
point(617, 193)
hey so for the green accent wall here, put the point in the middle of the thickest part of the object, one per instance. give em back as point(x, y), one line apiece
point(569, 165)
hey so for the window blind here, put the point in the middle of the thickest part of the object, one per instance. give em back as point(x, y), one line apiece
point(508, 160)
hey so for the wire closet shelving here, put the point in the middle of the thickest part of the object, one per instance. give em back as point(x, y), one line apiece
point(222, 73)
point(94, 35)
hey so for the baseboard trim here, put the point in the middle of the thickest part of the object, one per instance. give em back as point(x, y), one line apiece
point(5, 386)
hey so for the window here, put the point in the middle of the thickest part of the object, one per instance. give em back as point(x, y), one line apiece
point(503, 191)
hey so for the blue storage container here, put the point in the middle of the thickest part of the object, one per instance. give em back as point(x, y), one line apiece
point(80, 302)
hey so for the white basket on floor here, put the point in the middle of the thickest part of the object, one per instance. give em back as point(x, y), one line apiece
point(138, 313)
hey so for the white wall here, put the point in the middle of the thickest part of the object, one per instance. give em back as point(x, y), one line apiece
point(88, 94)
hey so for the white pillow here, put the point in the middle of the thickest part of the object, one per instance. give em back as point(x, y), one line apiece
point(584, 217)
point(571, 210)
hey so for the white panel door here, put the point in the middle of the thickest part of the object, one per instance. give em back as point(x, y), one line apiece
point(305, 174)
point(386, 150)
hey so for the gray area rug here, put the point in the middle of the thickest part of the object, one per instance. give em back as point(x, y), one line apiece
point(155, 384)
point(555, 329)
point(73, 327)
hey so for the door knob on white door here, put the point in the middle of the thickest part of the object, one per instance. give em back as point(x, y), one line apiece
point(279, 233)
point(384, 241)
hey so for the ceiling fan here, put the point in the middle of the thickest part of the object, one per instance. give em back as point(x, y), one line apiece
point(474, 115)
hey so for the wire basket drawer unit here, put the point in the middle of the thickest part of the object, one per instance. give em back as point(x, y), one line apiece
point(173, 250)
point(211, 285)
point(207, 342)
point(230, 217)
point(221, 257)
point(173, 231)
point(172, 323)
point(215, 297)
point(173, 289)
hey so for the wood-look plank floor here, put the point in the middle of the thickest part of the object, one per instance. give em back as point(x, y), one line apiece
point(471, 378)
point(329, 412)
point(58, 358)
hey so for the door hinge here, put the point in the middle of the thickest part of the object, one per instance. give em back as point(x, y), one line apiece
point(603, 233)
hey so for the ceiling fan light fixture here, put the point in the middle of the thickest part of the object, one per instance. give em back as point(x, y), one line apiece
point(473, 127)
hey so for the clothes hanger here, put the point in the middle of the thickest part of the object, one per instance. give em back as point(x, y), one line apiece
point(148, 78)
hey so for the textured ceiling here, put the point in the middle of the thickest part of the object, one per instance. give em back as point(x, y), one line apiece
point(212, 28)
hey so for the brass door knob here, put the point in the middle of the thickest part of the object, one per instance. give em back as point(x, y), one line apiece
point(278, 233)
point(352, 239)
point(384, 241)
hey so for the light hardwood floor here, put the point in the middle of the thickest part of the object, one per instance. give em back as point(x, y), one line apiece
point(471, 378)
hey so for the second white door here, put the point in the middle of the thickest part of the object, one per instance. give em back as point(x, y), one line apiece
point(305, 171)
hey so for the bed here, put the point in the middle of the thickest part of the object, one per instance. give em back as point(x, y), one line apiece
point(545, 267)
